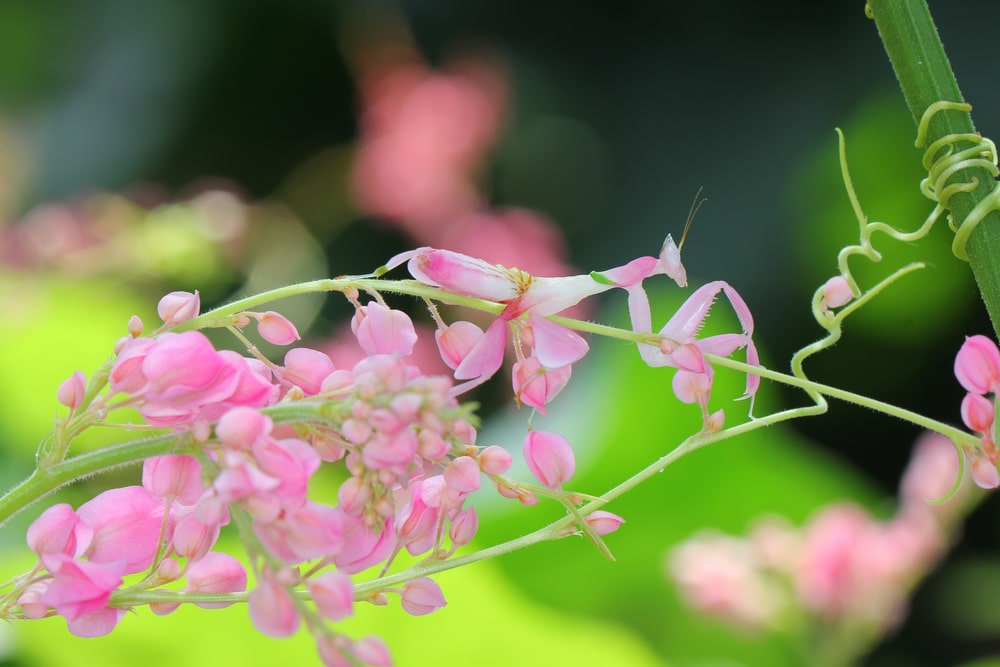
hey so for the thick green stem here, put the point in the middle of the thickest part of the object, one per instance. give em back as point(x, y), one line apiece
point(918, 58)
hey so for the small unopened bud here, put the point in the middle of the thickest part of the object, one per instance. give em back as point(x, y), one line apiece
point(421, 596)
point(276, 328)
point(462, 474)
point(495, 460)
point(464, 527)
point(715, 421)
point(836, 292)
point(135, 326)
point(550, 458)
point(72, 389)
point(984, 473)
point(604, 522)
point(178, 307)
point(333, 594)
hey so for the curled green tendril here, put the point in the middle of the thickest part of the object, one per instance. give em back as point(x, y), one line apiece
point(830, 321)
point(944, 159)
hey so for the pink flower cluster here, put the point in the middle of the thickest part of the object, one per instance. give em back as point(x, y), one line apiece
point(844, 568)
point(84, 554)
point(407, 445)
point(977, 367)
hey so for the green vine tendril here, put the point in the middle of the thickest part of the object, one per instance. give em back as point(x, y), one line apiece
point(943, 160)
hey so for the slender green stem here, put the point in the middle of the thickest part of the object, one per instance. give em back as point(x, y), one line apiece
point(956, 435)
point(220, 316)
point(925, 75)
point(44, 481)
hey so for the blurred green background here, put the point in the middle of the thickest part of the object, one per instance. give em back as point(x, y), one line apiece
point(154, 146)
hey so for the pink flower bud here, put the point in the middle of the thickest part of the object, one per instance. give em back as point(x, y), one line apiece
point(272, 610)
point(134, 326)
point(306, 368)
point(836, 292)
point(242, 427)
point(333, 594)
point(715, 421)
point(275, 328)
point(462, 474)
point(464, 527)
point(495, 460)
point(217, 573)
point(536, 386)
point(372, 651)
point(550, 458)
point(30, 601)
point(168, 570)
point(353, 495)
point(604, 522)
point(421, 596)
point(984, 473)
point(362, 546)
point(456, 341)
point(192, 538)
point(173, 477)
point(432, 446)
point(977, 412)
point(72, 389)
point(977, 365)
point(178, 307)
point(385, 331)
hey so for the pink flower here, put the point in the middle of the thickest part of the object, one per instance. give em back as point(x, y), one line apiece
point(80, 587)
point(242, 427)
point(978, 412)
point(72, 390)
point(836, 293)
point(422, 596)
point(333, 594)
point(931, 473)
point(495, 460)
point(272, 610)
point(59, 530)
point(363, 547)
point(423, 136)
point(311, 531)
point(173, 477)
point(984, 473)
point(178, 307)
point(721, 576)
point(536, 386)
point(462, 474)
point(216, 573)
point(603, 522)
point(977, 365)
point(306, 368)
point(194, 538)
point(464, 527)
point(275, 328)
point(550, 458)
point(126, 524)
point(381, 330)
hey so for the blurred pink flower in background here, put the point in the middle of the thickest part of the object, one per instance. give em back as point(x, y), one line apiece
point(845, 568)
point(424, 138)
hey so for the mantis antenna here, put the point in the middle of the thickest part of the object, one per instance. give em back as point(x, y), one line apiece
point(695, 207)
